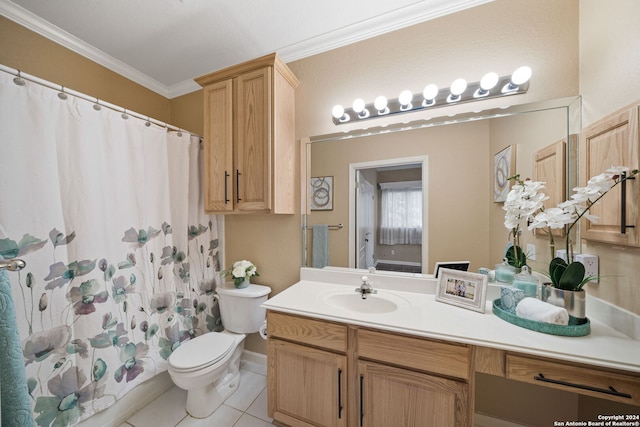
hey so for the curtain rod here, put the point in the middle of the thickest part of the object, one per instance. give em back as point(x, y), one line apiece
point(65, 90)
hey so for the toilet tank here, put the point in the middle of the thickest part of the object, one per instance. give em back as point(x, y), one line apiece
point(240, 308)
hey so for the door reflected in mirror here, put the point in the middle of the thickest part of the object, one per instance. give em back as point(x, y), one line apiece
point(389, 215)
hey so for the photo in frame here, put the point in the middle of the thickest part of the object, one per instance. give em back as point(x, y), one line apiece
point(321, 192)
point(504, 166)
point(462, 289)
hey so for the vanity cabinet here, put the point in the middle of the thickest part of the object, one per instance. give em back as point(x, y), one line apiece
point(324, 373)
point(307, 371)
point(601, 383)
point(613, 140)
point(409, 381)
point(249, 138)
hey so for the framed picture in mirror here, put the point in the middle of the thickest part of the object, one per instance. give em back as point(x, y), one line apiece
point(504, 166)
point(321, 192)
point(462, 289)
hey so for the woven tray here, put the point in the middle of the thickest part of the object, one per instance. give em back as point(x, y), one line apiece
point(575, 328)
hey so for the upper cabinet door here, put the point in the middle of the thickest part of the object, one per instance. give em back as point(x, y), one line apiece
point(249, 130)
point(613, 141)
point(218, 147)
point(253, 140)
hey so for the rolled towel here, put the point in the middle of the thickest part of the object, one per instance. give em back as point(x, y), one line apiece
point(540, 311)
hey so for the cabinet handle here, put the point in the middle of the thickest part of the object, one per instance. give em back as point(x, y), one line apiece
point(623, 204)
point(609, 390)
point(361, 398)
point(339, 393)
point(226, 186)
point(238, 186)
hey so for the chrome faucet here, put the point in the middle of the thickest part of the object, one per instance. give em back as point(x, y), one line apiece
point(366, 288)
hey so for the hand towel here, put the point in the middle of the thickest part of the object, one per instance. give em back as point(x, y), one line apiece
point(14, 395)
point(320, 246)
point(540, 311)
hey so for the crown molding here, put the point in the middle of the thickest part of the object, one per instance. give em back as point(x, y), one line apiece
point(410, 15)
point(414, 14)
point(46, 29)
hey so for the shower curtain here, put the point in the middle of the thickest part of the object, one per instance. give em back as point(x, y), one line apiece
point(122, 262)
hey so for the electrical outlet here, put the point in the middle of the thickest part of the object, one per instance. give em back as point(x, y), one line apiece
point(590, 263)
point(561, 253)
point(531, 251)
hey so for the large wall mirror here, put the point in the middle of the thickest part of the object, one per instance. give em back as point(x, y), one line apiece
point(403, 197)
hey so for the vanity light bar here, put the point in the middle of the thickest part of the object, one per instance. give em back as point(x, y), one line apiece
point(490, 86)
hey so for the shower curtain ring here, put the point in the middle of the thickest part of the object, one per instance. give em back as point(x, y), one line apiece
point(124, 114)
point(97, 105)
point(19, 80)
point(62, 95)
point(148, 122)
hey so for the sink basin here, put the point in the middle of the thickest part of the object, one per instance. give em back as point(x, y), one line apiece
point(374, 303)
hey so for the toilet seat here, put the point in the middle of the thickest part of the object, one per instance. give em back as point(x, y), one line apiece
point(202, 351)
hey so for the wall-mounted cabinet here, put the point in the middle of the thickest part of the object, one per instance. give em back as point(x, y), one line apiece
point(249, 138)
point(610, 141)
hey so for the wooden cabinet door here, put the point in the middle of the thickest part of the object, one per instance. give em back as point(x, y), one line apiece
point(218, 147)
point(306, 386)
point(252, 175)
point(613, 141)
point(398, 397)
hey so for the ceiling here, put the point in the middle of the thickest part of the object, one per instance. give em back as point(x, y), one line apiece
point(164, 44)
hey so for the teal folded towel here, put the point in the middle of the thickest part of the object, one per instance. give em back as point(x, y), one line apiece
point(14, 394)
point(320, 246)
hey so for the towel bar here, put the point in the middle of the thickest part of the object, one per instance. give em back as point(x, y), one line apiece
point(331, 227)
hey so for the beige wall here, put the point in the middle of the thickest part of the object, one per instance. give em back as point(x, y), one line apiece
point(27, 51)
point(609, 80)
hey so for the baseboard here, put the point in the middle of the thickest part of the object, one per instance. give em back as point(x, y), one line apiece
point(482, 420)
point(254, 362)
point(135, 400)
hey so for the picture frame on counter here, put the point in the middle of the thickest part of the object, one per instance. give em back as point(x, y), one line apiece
point(462, 288)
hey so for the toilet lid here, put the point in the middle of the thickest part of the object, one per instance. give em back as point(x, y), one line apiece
point(201, 351)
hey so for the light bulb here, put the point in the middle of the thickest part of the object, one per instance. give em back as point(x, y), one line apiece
point(430, 92)
point(380, 103)
point(458, 87)
point(521, 75)
point(489, 81)
point(338, 111)
point(405, 97)
point(358, 105)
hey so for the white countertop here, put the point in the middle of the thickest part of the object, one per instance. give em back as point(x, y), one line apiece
point(422, 315)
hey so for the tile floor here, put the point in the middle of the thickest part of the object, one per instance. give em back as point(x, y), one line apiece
point(247, 407)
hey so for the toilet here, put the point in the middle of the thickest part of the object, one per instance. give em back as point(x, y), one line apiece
point(208, 366)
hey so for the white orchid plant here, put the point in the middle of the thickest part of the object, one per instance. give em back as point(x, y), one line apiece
point(241, 271)
point(522, 203)
point(568, 274)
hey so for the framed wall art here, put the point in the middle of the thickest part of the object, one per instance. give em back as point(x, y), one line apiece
point(504, 166)
point(462, 288)
point(321, 193)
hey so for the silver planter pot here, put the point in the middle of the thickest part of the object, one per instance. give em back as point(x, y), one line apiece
point(573, 301)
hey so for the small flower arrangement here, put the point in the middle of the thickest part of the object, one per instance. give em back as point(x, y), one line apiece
point(569, 274)
point(241, 271)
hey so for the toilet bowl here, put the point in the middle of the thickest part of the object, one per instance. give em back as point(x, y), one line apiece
point(208, 366)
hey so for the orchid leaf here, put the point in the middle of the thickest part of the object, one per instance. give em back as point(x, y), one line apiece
point(516, 256)
point(557, 267)
point(572, 277)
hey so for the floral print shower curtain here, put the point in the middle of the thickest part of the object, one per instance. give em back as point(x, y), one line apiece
point(122, 262)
